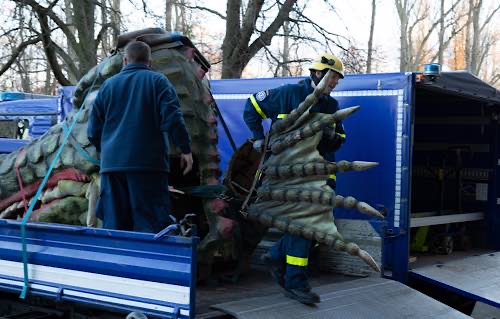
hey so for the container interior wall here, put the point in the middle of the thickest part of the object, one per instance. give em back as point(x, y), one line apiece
point(451, 168)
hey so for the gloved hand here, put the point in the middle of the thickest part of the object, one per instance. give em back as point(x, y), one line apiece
point(257, 145)
point(329, 133)
point(330, 141)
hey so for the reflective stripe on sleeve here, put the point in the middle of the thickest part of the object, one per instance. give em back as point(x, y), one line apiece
point(282, 116)
point(257, 107)
point(332, 176)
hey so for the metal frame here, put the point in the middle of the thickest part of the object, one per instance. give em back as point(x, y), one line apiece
point(446, 219)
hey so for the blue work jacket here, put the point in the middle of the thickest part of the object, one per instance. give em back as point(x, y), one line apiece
point(277, 103)
point(132, 113)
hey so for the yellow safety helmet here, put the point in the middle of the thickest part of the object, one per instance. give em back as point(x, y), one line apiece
point(328, 61)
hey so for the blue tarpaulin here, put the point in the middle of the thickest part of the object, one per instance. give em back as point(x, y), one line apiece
point(13, 96)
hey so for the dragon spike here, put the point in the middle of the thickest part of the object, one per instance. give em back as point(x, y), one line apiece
point(316, 168)
point(367, 258)
point(326, 198)
point(288, 121)
point(309, 130)
point(358, 166)
point(301, 169)
point(342, 114)
point(309, 101)
point(352, 203)
point(296, 136)
point(354, 250)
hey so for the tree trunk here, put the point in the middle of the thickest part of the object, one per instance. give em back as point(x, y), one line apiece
point(115, 19)
point(84, 21)
point(168, 14)
point(370, 39)
point(104, 20)
point(402, 7)
point(71, 50)
point(48, 81)
point(468, 33)
point(286, 50)
point(441, 34)
point(178, 18)
point(236, 47)
point(475, 48)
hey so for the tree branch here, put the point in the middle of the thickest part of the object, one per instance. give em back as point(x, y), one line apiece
point(37, 8)
point(50, 52)
point(249, 23)
point(265, 38)
point(488, 19)
point(17, 51)
point(101, 33)
point(220, 15)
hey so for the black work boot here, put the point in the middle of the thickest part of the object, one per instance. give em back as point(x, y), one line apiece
point(275, 269)
point(303, 295)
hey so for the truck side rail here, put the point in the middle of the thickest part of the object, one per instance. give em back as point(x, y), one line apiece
point(8, 145)
point(117, 270)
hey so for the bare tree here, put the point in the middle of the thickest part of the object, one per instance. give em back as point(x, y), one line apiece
point(448, 29)
point(84, 41)
point(404, 8)
point(116, 17)
point(250, 29)
point(286, 49)
point(417, 27)
point(168, 14)
point(370, 39)
point(481, 39)
point(354, 60)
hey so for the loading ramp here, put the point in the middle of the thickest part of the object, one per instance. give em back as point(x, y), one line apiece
point(371, 297)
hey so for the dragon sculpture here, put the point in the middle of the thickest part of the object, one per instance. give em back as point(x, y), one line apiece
point(291, 197)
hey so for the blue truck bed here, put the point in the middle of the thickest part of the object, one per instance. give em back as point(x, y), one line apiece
point(117, 270)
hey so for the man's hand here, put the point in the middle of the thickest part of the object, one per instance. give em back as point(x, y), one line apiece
point(186, 163)
point(257, 145)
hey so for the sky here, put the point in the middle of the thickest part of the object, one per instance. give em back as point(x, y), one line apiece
point(351, 19)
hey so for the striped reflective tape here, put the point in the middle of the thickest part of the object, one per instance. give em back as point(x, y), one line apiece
point(296, 261)
point(257, 107)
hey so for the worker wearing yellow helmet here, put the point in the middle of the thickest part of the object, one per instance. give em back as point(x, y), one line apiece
point(288, 258)
point(322, 64)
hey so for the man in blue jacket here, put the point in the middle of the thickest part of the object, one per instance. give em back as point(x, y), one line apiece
point(290, 255)
point(135, 114)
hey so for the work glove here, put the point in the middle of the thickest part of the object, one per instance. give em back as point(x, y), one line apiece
point(257, 145)
point(330, 139)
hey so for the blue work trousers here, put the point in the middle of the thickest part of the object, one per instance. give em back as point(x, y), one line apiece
point(293, 252)
point(137, 201)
